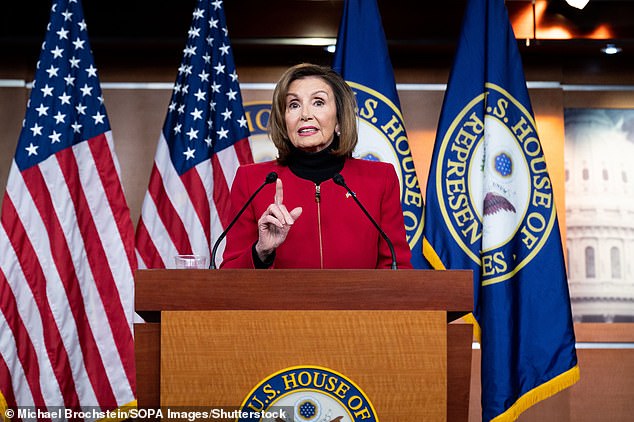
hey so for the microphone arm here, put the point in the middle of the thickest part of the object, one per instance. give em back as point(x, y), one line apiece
point(270, 178)
point(338, 179)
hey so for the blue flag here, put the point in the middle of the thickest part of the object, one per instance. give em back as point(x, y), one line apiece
point(490, 208)
point(362, 59)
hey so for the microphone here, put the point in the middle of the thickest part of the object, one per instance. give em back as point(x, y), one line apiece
point(270, 178)
point(338, 179)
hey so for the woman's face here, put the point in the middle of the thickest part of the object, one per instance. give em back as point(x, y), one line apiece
point(311, 114)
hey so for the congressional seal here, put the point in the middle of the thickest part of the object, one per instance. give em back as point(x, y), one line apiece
point(382, 137)
point(310, 394)
point(493, 186)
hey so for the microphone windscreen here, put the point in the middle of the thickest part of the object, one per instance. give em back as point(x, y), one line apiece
point(338, 179)
point(271, 177)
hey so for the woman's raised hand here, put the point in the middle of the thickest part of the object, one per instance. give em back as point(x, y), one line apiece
point(275, 223)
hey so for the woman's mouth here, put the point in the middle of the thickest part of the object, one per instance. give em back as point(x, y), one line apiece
point(307, 131)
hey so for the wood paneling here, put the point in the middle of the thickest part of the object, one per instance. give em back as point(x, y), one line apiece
point(603, 393)
point(620, 332)
point(396, 357)
point(12, 107)
point(304, 290)
point(147, 342)
point(309, 292)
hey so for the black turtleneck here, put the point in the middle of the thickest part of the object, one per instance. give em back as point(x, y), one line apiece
point(315, 166)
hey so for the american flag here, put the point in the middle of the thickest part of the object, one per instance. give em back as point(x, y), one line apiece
point(66, 241)
point(203, 141)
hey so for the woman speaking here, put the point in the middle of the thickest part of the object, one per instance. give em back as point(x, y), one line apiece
point(306, 219)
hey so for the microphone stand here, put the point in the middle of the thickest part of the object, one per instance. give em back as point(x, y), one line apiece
point(338, 179)
point(270, 178)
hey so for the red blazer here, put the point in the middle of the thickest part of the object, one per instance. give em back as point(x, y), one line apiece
point(331, 233)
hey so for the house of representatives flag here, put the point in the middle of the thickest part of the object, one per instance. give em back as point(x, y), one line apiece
point(362, 59)
point(66, 243)
point(490, 208)
point(203, 141)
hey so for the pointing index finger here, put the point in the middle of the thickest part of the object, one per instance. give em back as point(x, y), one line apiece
point(279, 192)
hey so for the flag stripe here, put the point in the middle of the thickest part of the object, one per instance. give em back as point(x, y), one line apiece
point(203, 141)
point(221, 192)
point(88, 215)
point(167, 212)
point(151, 258)
point(224, 168)
point(8, 399)
point(199, 203)
point(105, 163)
point(25, 353)
point(63, 261)
point(243, 151)
point(37, 236)
point(67, 241)
point(211, 178)
point(50, 333)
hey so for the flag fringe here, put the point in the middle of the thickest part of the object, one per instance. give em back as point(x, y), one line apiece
point(539, 393)
point(3, 408)
point(123, 411)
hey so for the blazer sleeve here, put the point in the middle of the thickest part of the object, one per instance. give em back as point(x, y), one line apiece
point(393, 224)
point(244, 233)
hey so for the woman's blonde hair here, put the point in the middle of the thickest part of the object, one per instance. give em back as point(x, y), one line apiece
point(345, 102)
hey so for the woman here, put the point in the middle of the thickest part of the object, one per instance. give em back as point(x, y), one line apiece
point(313, 222)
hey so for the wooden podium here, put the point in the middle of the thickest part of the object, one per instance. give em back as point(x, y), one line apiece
point(221, 332)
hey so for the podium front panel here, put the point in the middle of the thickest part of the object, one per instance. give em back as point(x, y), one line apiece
point(398, 359)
